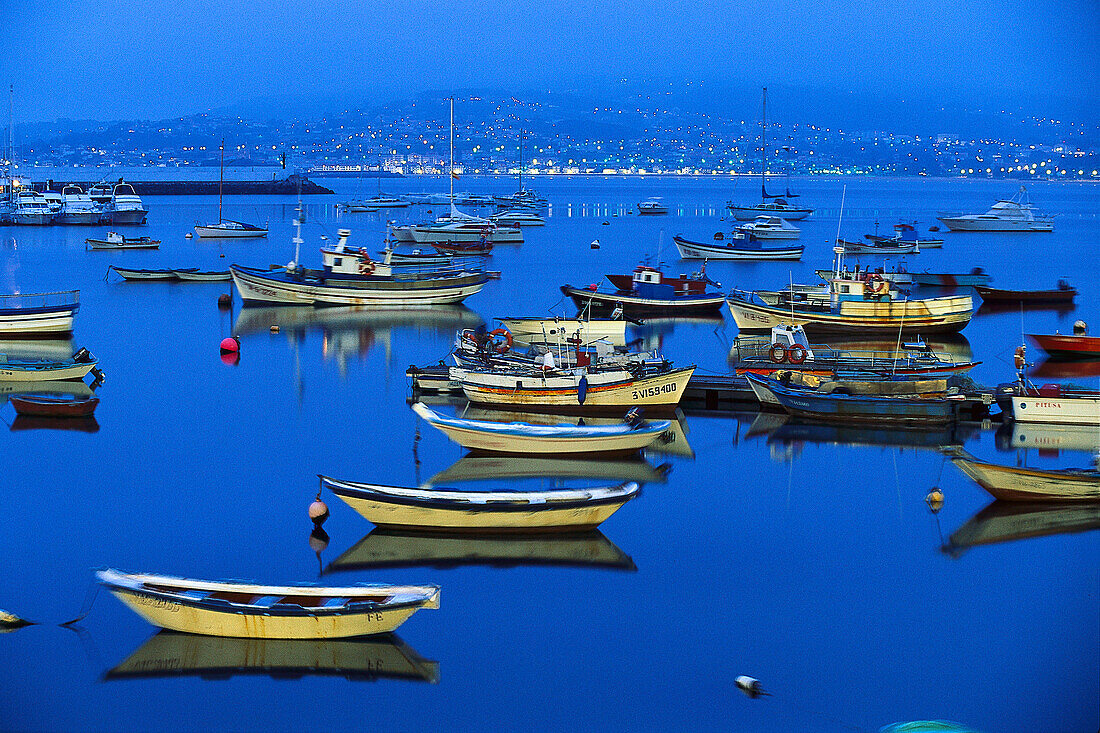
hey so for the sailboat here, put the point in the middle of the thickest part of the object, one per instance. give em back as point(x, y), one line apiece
point(770, 204)
point(226, 228)
point(458, 226)
point(523, 198)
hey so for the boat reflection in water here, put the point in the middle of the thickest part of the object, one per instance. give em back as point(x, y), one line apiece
point(1059, 369)
point(354, 329)
point(790, 434)
point(384, 548)
point(672, 442)
point(650, 335)
point(49, 349)
point(84, 424)
point(175, 654)
point(1006, 521)
point(487, 467)
point(951, 347)
point(1044, 437)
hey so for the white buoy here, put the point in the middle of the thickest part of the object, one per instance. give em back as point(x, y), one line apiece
point(749, 686)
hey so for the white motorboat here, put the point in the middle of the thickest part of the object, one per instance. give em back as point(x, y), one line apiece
point(53, 200)
point(126, 206)
point(770, 227)
point(30, 208)
point(652, 207)
point(78, 207)
point(1007, 215)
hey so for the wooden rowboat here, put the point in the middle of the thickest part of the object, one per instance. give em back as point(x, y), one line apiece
point(46, 370)
point(35, 405)
point(518, 437)
point(203, 276)
point(482, 511)
point(1029, 484)
point(249, 610)
point(38, 314)
point(135, 274)
point(852, 408)
point(1067, 346)
point(1062, 294)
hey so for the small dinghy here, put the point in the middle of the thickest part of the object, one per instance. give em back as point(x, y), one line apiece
point(47, 370)
point(1020, 483)
point(35, 405)
point(234, 609)
point(203, 276)
point(483, 511)
point(134, 274)
point(114, 240)
point(521, 437)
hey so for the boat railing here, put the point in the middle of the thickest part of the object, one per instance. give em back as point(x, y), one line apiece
point(39, 300)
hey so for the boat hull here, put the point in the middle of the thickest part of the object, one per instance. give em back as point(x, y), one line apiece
point(256, 286)
point(1068, 347)
point(44, 372)
point(489, 517)
point(104, 244)
point(214, 232)
point(690, 250)
point(1060, 410)
point(80, 218)
point(553, 329)
point(183, 275)
point(1025, 484)
point(962, 224)
point(129, 216)
point(854, 408)
point(748, 213)
point(53, 322)
point(635, 306)
point(562, 392)
point(935, 315)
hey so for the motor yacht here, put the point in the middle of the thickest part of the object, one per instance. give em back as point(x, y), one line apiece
point(770, 227)
point(1007, 215)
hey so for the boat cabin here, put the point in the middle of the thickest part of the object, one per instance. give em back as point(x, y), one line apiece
point(354, 262)
point(649, 282)
point(788, 335)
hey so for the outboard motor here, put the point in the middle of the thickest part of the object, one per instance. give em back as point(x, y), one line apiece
point(633, 417)
point(1080, 328)
point(83, 356)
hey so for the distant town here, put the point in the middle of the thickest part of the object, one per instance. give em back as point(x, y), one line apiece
point(498, 136)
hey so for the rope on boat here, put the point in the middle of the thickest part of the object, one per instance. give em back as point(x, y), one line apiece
point(89, 599)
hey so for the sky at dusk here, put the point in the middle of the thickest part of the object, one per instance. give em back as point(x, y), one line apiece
point(157, 59)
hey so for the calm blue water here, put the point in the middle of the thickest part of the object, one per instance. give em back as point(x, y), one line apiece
point(804, 558)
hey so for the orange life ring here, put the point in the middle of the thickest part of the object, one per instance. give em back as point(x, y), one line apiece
point(366, 265)
point(507, 338)
point(874, 283)
point(719, 236)
point(796, 354)
point(778, 353)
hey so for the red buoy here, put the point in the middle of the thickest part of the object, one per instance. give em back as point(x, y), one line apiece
point(230, 345)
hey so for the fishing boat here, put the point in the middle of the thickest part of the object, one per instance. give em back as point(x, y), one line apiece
point(114, 240)
point(648, 292)
point(130, 273)
point(449, 509)
point(388, 548)
point(811, 403)
point(554, 389)
point(35, 405)
point(175, 654)
point(217, 608)
point(1064, 293)
point(350, 277)
point(788, 347)
point(516, 437)
point(770, 227)
point(586, 330)
point(125, 206)
point(1079, 345)
point(203, 275)
point(16, 369)
point(885, 247)
point(770, 204)
point(1050, 403)
point(653, 206)
point(735, 246)
point(905, 233)
point(1014, 483)
point(1007, 215)
point(38, 314)
point(865, 305)
point(1008, 521)
point(225, 228)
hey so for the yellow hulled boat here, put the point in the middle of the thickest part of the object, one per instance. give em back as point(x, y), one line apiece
point(217, 608)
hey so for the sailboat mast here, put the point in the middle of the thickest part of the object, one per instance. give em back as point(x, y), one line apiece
point(521, 134)
point(221, 178)
point(451, 171)
point(764, 145)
